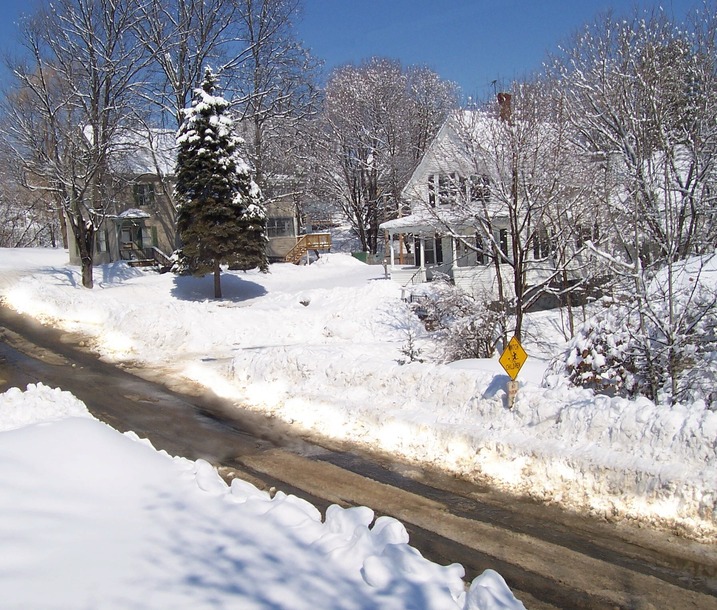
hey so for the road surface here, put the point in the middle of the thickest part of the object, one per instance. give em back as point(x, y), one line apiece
point(550, 558)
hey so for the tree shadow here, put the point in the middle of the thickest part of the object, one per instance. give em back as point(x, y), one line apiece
point(118, 272)
point(63, 274)
point(234, 289)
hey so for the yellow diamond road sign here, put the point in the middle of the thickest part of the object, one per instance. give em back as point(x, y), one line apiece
point(513, 358)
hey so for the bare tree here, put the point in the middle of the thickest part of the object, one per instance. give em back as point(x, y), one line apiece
point(641, 95)
point(179, 39)
point(376, 121)
point(71, 98)
point(29, 219)
point(273, 85)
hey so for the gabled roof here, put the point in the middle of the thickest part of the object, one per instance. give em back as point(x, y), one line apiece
point(461, 126)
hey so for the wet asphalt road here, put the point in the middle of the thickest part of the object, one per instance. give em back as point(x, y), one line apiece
point(551, 559)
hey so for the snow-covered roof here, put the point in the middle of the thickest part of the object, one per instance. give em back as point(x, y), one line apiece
point(424, 221)
point(148, 151)
point(133, 213)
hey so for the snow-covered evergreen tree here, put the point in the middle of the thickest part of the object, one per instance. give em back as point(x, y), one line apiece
point(220, 213)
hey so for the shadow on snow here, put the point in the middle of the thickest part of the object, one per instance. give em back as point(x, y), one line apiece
point(234, 289)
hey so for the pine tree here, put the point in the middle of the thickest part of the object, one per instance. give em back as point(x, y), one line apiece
point(220, 213)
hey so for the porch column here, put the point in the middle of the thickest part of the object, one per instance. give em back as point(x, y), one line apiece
point(390, 248)
point(454, 253)
point(422, 241)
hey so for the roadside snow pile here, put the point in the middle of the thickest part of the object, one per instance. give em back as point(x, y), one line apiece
point(320, 347)
point(91, 518)
point(48, 404)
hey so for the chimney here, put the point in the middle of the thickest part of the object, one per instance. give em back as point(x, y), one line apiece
point(504, 111)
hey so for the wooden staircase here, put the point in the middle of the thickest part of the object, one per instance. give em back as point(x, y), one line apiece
point(312, 241)
point(147, 257)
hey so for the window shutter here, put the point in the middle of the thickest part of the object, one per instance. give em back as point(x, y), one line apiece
point(148, 236)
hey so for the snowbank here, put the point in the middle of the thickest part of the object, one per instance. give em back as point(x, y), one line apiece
point(91, 518)
point(320, 346)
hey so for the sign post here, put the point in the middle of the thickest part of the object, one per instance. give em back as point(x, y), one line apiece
point(512, 359)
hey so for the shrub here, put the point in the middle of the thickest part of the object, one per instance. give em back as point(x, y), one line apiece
point(464, 326)
point(647, 348)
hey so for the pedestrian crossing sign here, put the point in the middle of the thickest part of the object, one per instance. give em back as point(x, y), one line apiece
point(513, 358)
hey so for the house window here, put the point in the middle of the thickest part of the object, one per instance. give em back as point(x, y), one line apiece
point(541, 245)
point(280, 227)
point(479, 188)
point(143, 194)
point(149, 236)
point(446, 186)
point(102, 240)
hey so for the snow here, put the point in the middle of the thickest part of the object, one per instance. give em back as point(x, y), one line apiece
point(319, 347)
point(90, 517)
point(134, 213)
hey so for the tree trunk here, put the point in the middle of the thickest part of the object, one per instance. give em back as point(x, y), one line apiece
point(217, 282)
point(87, 276)
point(569, 303)
point(84, 237)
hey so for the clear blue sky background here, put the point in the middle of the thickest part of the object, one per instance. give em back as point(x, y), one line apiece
point(471, 42)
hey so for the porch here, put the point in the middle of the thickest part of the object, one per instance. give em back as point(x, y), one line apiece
point(316, 242)
point(457, 256)
point(136, 242)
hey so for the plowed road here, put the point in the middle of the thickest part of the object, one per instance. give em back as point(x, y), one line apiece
point(550, 558)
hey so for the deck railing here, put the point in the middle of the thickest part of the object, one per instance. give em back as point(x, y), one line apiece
point(312, 241)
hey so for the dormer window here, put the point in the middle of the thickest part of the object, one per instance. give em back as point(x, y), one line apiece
point(143, 194)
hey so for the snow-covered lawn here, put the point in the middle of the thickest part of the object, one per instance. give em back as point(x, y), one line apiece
point(320, 347)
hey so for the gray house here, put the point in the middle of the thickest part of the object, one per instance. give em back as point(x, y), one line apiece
point(140, 226)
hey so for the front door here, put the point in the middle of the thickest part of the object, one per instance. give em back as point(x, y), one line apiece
point(434, 251)
point(130, 241)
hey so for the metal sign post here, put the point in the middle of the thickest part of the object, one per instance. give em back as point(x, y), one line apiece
point(512, 359)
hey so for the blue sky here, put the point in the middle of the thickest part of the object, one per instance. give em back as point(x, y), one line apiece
point(471, 42)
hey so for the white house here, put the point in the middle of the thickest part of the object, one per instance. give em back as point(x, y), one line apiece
point(459, 222)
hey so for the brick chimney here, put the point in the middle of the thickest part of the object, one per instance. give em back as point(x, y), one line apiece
point(504, 111)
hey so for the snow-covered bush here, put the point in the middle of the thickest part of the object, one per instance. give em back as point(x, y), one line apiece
point(599, 355)
point(464, 326)
point(664, 348)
